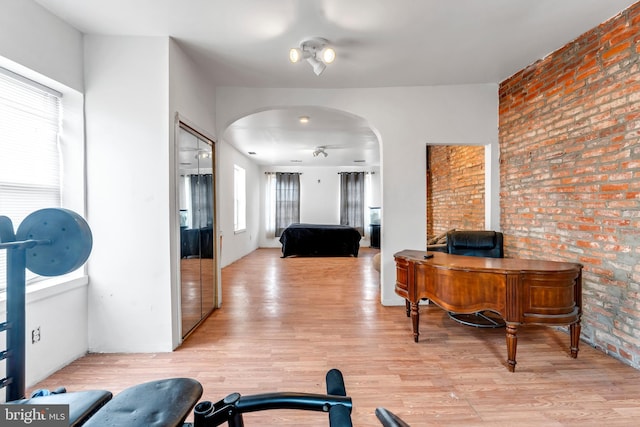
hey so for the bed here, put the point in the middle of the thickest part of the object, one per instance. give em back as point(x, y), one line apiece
point(320, 240)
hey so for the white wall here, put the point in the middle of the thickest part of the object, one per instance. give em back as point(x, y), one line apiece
point(320, 195)
point(192, 98)
point(236, 245)
point(39, 41)
point(127, 134)
point(60, 313)
point(134, 90)
point(405, 119)
point(38, 45)
point(136, 87)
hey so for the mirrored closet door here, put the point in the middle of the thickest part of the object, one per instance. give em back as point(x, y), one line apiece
point(196, 202)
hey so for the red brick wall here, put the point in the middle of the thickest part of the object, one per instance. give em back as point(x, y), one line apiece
point(455, 188)
point(569, 132)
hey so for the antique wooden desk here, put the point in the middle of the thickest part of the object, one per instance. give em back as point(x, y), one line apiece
point(522, 291)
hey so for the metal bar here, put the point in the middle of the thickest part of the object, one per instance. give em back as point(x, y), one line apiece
point(24, 244)
point(290, 173)
point(289, 400)
point(16, 290)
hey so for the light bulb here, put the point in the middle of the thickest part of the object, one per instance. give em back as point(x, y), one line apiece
point(294, 55)
point(328, 55)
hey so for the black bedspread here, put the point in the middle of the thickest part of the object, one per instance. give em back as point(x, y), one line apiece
point(320, 240)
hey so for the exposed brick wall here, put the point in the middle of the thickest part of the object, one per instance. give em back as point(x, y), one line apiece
point(570, 173)
point(455, 188)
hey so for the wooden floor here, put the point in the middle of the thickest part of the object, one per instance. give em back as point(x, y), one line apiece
point(285, 322)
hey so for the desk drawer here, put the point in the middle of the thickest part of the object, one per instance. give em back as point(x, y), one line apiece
point(402, 278)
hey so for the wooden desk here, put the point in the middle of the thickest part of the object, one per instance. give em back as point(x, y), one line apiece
point(522, 291)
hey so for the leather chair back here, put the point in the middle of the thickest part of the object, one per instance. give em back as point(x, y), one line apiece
point(475, 243)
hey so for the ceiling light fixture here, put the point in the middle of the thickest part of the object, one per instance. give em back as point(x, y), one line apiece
point(303, 119)
point(316, 51)
point(320, 151)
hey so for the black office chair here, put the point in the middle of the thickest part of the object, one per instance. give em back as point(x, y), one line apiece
point(479, 243)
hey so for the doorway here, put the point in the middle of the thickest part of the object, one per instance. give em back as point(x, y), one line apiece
point(455, 188)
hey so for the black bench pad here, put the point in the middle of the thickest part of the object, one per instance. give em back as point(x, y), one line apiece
point(82, 404)
point(162, 403)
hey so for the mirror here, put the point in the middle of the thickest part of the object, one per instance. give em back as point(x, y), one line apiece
point(197, 229)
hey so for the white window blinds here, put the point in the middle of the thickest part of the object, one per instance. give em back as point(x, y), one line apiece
point(30, 163)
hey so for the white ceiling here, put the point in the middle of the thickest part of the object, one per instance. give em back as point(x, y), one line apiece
point(278, 138)
point(379, 43)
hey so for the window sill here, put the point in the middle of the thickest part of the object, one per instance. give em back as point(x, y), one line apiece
point(49, 287)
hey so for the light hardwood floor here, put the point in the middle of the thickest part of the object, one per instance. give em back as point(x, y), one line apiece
point(285, 322)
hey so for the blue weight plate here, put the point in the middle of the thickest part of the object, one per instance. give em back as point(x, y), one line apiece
point(66, 237)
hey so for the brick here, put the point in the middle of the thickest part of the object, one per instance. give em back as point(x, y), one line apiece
point(458, 202)
point(570, 172)
point(618, 50)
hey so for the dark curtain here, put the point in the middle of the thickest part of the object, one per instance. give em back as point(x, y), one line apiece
point(201, 200)
point(352, 200)
point(287, 200)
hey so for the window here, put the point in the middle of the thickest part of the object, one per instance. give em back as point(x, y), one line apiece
point(287, 201)
point(352, 199)
point(30, 160)
point(282, 202)
point(239, 199)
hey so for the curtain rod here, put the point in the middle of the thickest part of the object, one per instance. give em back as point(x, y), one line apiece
point(292, 173)
point(300, 173)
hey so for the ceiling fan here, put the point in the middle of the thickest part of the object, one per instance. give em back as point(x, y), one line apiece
point(320, 151)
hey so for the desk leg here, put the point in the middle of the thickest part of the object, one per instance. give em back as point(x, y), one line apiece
point(415, 319)
point(512, 344)
point(407, 305)
point(574, 331)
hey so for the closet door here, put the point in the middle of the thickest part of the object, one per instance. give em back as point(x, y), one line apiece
point(197, 228)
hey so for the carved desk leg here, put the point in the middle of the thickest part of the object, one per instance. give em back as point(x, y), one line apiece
point(512, 343)
point(415, 319)
point(574, 331)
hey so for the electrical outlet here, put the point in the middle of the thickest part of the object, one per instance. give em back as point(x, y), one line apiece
point(35, 335)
